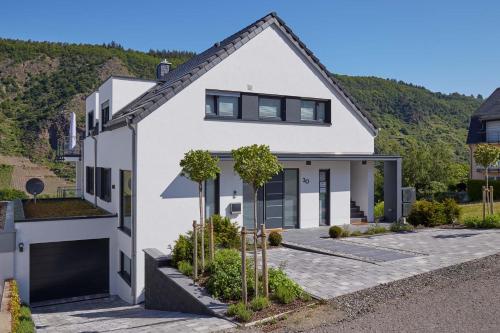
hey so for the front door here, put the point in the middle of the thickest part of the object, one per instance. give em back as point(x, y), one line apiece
point(277, 204)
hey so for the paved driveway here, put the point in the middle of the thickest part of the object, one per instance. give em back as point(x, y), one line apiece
point(113, 315)
point(327, 276)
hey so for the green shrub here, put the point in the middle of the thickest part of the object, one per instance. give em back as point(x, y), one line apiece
point(373, 230)
point(378, 210)
point(259, 303)
point(452, 210)
point(9, 194)
point(26, 324)
point(335, 231)
point(345, 233)
point(400, 227)
point(356, 233)
point(226, 233)
point(185, 268)
point(285, 295)
point(183, 250)
point(240, 312)
point(14, 305)
point(427, 213)
point(475, 191)
point(224, 281)
point(275, 238)
point(284, 288)
point(490, 222)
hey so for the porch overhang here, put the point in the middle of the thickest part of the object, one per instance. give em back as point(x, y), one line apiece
point(226, 156)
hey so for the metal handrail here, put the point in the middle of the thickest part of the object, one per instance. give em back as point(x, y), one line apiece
point(69, 147)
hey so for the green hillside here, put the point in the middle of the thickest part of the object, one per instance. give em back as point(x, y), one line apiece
point(41, 82)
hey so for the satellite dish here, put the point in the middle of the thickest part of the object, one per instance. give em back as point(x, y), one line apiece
point(35, 186)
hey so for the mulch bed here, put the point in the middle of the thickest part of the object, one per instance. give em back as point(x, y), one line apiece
point(277, 308)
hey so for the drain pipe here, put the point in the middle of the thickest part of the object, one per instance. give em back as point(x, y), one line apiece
point(134, 209)
point(95, 166)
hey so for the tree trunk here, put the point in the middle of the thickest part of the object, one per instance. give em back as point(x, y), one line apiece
point(486, 173)
point(255, 270)
point(202, 226)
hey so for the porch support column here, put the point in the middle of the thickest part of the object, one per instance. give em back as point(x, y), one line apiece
point(392, 190)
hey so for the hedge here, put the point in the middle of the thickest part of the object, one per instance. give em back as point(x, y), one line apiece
point(474, 189)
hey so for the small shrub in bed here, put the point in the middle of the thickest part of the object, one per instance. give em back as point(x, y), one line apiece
point(275, 238)
point(356, 233)
point(183, 250)
point(427, 214)
point(240, 312)
point(185, 268)
point(259, 303)
point(373, 230)
point(400, 227)
point(452, 210)
point(335, 231)
point(345, 233)
point(285, 295)
point(227, 234)
point(283, 288)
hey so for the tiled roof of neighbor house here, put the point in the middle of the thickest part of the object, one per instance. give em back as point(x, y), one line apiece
point(489, 110)
point(185, 74)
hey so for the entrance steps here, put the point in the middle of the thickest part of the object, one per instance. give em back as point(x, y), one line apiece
point(357, 215)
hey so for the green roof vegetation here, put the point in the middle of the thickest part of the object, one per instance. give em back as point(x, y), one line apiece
point(60, 208)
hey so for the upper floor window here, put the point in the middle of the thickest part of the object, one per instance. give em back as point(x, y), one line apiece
point(270, 108)
point(103, 183)
point(312, 110)
point(90, 121)
point(105, 112)
point(222, 104)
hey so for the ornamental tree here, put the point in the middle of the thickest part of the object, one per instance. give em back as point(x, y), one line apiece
point(256, 165)
point(486, 155)
point(200, 166)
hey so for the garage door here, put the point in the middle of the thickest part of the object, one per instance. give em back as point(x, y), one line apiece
point(69, 269)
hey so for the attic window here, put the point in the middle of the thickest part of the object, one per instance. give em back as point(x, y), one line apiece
point(312, 110)
point(222, 104)
point(104, 112)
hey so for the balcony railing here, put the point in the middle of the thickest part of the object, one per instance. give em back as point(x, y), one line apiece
point(68, 192)
point(68, 147)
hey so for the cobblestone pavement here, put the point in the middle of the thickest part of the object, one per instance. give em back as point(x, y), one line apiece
point(327, 276)
point(112, 314)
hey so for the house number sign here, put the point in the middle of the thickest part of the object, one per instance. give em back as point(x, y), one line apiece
point(305, 180)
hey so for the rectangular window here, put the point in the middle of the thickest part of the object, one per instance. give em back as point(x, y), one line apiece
point(212, 197)
point(324, 197)
point(125, 268)
point(125, 201)
point(270, 108)
point(90, 122)
point(222, 104)
point(312, 111)
point(89, 180)
point(104, 113)
point(103, 184)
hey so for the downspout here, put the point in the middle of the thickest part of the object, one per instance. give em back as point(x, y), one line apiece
point(134, 209)
point(95, 166)
point(82, 166)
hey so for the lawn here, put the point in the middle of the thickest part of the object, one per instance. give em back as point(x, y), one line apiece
point(5, 175)
point(60, 208)
point(476, 209)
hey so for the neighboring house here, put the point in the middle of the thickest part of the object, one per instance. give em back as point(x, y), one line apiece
point(485, 128)
point(258, 86)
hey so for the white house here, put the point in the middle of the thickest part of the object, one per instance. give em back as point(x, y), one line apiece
point(259, 86)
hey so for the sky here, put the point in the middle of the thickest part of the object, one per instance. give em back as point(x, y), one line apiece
point(443, 45)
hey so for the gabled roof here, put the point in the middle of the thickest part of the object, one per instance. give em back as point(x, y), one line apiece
point(185, 74)
point(489, 110)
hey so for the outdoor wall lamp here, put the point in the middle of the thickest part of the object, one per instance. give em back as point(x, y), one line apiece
point(308, 162)
point(21, 247)
point(234, 194)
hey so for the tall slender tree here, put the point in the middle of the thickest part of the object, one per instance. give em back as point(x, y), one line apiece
point(256, 165)
point(486, 155)
point(200, 166)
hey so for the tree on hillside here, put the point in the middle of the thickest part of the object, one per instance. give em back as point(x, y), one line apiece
point(200, 166)
point(256, 165)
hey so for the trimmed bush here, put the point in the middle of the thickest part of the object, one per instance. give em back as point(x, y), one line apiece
point(345, 233)
point(275, 238)
point(259, 303)
point(452, 210)
point(240, 312)
point(474, 189)
point(335, 231)
point(427, 213)
point(9, 194)
point(224, 281)
point(185, 268)
point(226, 233)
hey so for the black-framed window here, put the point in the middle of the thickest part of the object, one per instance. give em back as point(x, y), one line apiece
point(311, 110)
point(125, 268)
point(89, 180)
point(125, 200)
point(270, 108)
point(103, 183)
point(104, 113)
point(212, 199)
point(225, 105)
point(90, 121)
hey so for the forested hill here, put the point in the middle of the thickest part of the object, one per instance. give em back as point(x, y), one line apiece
point(41, 82)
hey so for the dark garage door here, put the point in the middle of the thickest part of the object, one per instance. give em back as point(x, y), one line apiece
point(69, 269)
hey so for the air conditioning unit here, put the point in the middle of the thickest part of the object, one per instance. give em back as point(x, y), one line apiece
point(409, 194)
point(235, 208)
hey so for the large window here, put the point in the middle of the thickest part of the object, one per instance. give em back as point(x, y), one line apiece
point(125, 201)
point(222, 104)
point(212, 197)
point(270, 108)
point(312, 110)
point(103, 184)
point(125, 268)
point(104, 112)
point(89, 180)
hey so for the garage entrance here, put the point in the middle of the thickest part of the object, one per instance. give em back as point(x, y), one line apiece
point(69, 269)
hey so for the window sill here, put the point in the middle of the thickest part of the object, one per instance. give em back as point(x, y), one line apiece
point(217, 117)
point(125, 277)
point(125, 230)
point(269, 121)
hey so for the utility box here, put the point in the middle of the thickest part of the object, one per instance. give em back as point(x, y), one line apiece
point(409, 196)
